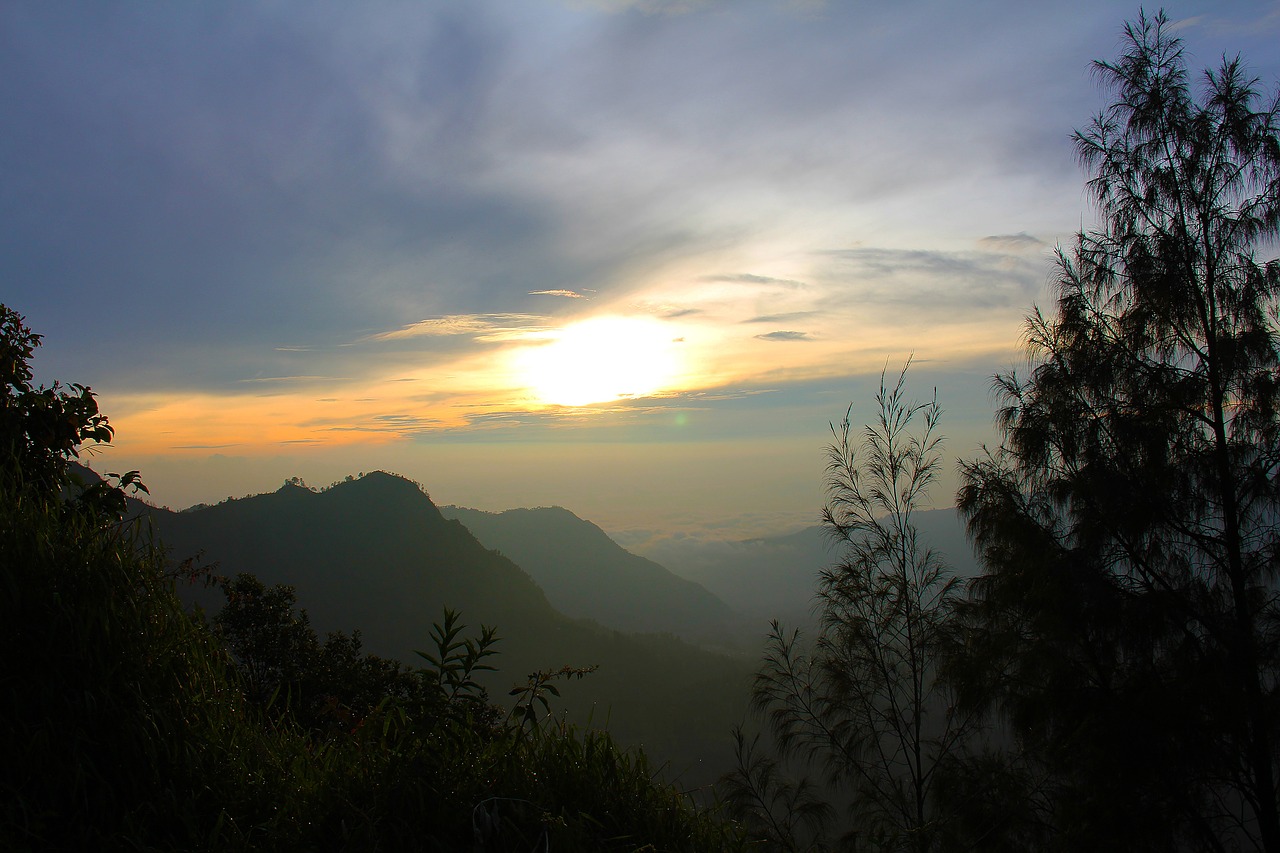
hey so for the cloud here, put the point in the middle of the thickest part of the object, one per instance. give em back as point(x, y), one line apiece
point(294, 379)
point(1021, 242)
point(722, 394)
point(486, 327)
point(1258, 24)
point(1186, 23)
point(752, 279)
point(932, 282)
point(785, 336)
point(667, 311)
point(781, 318)
point(357, 170)
point(648, 7)
point(568, 294)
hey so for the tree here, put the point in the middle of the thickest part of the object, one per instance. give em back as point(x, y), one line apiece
point(40, 428)
point(43, 428)
point(333, 685)
point(867, 704)
point(116, 705)
point(1130, 520)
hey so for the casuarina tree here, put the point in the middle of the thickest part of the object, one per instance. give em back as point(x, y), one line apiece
point(1127, 625)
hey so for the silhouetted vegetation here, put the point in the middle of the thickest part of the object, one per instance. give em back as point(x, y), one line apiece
point(129, 723)
point(864, 705)
point(1111, 679)
point(1129, 523)
point(376, 553)
point(1121, 644)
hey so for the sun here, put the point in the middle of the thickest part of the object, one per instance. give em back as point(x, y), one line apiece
point(602, 360)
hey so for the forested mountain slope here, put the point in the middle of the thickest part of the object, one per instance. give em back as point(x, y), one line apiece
point(375, 554)
point(586, 574)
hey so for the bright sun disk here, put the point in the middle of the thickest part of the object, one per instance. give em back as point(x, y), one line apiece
point(601, 360)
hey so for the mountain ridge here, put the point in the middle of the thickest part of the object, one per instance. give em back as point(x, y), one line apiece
point(375, 554)
point(586, 574)
point(776, 577)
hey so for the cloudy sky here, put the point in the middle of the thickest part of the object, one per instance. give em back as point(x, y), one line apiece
point(628, 257)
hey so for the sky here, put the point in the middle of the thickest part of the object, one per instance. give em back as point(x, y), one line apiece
point(632, 258)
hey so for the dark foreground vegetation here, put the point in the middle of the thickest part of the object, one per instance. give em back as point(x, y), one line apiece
point(127, 723)
point(1111, 680)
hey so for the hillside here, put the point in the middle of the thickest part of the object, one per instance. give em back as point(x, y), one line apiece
point(776, 576)
point(377, 555)
point(586, 574)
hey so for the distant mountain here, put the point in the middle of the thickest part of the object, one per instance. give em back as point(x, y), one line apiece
point(586, 574)
point(777, 576)
point(373, 553)
point(376, 554)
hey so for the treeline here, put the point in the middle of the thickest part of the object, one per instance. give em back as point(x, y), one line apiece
point(1110, 682)
point(128, 723)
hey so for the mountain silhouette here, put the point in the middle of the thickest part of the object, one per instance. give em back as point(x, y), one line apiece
point(586, 574)
point(375, 554)
point(372, 553)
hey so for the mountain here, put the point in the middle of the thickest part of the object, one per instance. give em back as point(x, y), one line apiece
point(586, 574)
point(373, 553)
point(776, 577)
point(376, 554)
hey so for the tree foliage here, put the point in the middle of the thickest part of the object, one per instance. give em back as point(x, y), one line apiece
point(1129, 521)
point(328, 686)
point(41, 427)
point(866, 703)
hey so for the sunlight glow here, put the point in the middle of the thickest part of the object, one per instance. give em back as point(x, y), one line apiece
point(602, 360)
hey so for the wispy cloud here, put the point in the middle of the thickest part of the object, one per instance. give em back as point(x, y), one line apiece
point(752, 279)
point(1186, 23)
point(1261, 23)
point(648, 7)
point(781, 318)
point(567, 294)
point(723, 394)
point(784, 335)
point(484, 326)
point(1021, 242)
point(933, 282)
point(667, 311)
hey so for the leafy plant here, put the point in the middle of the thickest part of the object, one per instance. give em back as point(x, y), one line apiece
point(867, 703)
point(534, 692)
point(457, 659)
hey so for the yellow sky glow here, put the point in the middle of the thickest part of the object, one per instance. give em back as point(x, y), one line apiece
point(602, 360)
point(575, 374)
